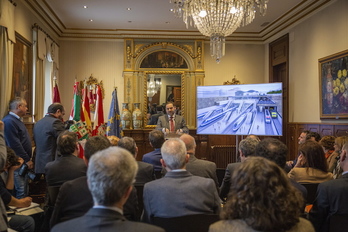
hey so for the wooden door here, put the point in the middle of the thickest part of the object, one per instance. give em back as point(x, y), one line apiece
point(177, 96)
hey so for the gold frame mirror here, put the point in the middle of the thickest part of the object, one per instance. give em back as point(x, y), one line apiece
point(166, 85)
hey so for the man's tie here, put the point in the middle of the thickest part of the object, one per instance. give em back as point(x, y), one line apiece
point(171, 122)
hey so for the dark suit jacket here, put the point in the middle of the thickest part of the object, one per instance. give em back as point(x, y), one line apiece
point(332, 198)
point(163, 122)
point(64, 168)
point(46, 132)
point(154, 158)
point(104, 220)
point(75, 199)
point(179, 194)
point(226, 182)
point(145, 173)
point(203, 168)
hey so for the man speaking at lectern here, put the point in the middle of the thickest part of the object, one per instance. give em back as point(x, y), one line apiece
point(171, 123)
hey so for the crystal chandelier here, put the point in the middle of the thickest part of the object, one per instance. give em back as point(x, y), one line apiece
point(153, 85)
point(218, 18)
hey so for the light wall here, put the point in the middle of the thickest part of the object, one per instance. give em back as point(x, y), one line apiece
point(323, 34)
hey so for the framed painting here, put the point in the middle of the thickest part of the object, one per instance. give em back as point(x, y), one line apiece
point(22, 83)
point(333, 82)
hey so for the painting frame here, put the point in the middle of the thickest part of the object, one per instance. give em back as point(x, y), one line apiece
point(22, 81)
point(333, 84)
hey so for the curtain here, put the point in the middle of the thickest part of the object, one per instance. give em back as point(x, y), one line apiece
point(6, 71)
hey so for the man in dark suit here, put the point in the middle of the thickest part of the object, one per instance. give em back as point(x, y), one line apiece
point(246, 148)
point(164, 122)
point(46, 132)
point(75, 199)
point(67, 166)
point(332, 197)
point(110, 175)
point(179, 193)
point(145, 171)
point(198, 167)
point(154, 117)
point(156, 139)
point(17, 137)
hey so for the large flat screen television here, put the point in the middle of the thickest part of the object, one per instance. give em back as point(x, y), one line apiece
point(240, 109)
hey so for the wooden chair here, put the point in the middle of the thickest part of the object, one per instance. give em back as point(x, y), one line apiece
point(338, 222)
point(189, 223)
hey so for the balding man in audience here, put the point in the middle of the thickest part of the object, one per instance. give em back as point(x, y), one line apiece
point(198, 167)
point(74, 198)
point(276, 151)
point(332, 197)
point(110, 175)
point(246, 148)
point(145, 171)
point(67, 166)
point(179, 193)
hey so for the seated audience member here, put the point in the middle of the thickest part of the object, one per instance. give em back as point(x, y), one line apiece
point(3, 155)
point(246, 148)
point(110, 176)
point(75, 199)
point(179, 193)
point(327, 143)
point(262, 199)
point(339, 142)
point(113, 140)
point(156, 139)
point(198, 167)
point(314, 136)
point(301, 139)
point(332, 197)
point(311, 166)
point(67, 166)
point(276, 151)
point(145, 171)
point(254, 137)
point(154, 117)
point(16, 222)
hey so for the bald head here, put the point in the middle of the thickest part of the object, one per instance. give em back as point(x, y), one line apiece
point(190, 143)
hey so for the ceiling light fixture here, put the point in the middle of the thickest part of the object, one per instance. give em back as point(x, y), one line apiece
point(218, 18)
point(85, 7)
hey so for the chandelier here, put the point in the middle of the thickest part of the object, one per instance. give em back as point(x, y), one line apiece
point(153, 85)
point(218, 18)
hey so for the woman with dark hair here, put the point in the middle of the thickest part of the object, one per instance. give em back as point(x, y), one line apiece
point(311, 166)
point(327, 143)
point(262, 198)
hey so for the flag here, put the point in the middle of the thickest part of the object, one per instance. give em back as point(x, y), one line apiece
point(86, 112)
point(113, 125)
point(56, 95)
point(75, 113)
point(99, 126)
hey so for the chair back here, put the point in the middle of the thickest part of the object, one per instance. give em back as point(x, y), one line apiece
point(189, 223)
point(140, 190)
point(338, 222)
point(311, 192)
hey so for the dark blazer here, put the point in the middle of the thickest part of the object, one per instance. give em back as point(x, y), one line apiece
point(179, 194)
point(154, 158)
point(163, 122)
point(145, 173)
point(226, 182)
point(46, 132)
point(75, 199)
point(17, 137)
point(64, 168)
point(104, 220)
point(331, 199)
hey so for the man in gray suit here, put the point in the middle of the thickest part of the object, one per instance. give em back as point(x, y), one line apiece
point(198, 167)
point(46, 132)
point(179, 193)
point(164, 122)
point(246, 148)
point(110, 176)
point(146, 171)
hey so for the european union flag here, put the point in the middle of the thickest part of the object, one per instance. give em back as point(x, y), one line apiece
point(113, 125)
